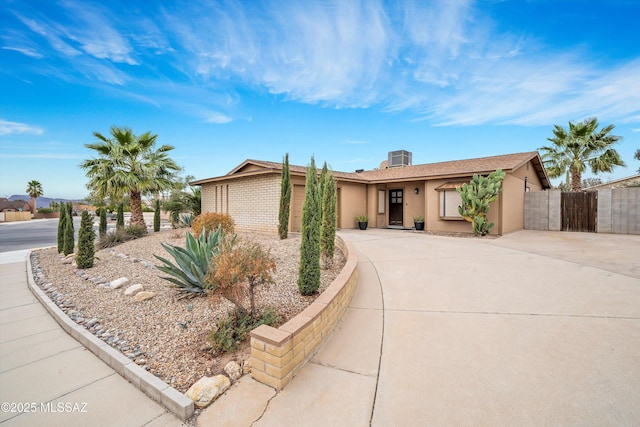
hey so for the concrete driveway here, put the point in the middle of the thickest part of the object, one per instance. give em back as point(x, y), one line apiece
point(533, 328)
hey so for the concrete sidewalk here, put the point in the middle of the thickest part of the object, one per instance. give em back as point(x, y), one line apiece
point(47, 378)
point(528, 329)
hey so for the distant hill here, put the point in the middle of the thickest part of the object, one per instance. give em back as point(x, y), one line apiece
point(41, 202)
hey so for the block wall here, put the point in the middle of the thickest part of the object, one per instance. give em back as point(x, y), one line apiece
point(277, 355)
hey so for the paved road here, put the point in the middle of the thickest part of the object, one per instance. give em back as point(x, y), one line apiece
point(32, 234)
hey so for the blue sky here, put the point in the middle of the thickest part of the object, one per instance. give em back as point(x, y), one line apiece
point(346, 81)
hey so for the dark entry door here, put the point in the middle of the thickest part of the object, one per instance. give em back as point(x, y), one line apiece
point(396, 204)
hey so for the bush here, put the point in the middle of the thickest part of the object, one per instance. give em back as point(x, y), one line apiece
point(121, 235)
point(45, 210)
point(102, 229)
point(234, 329)
point(309, 272)
point(62, 223)
point(156, 217)
point(238, 268)
point(210, 221)
point(69, 236)
point(86, 236)
point(192, 261)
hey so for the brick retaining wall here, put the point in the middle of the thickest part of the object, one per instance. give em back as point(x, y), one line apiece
point(277, 355)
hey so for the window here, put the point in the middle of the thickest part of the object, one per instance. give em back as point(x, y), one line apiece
point(381, 203)
point(449, 200)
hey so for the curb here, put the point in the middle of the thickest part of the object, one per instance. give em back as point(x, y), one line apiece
point(174, 401)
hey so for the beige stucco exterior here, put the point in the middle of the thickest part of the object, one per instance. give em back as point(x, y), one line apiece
point(251, 195)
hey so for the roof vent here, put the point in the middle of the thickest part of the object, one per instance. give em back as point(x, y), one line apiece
point(359, 170)
point(399, 158)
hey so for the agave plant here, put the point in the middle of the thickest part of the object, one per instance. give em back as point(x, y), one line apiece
point(192, 261)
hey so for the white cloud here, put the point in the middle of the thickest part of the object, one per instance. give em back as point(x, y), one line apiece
point(25, 51)
point(218, 118)
point(8, 128)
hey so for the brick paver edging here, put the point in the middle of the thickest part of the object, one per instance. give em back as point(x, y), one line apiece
point(152, 386)
point(277, 355)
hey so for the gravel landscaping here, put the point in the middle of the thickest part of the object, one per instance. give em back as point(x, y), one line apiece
point(166, 334)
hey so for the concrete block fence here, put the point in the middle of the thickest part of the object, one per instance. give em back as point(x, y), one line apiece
point(618, 210)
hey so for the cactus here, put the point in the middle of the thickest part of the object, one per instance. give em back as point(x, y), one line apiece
point(476, 197)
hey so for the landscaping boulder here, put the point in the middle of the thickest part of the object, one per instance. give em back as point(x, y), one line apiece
point(118, 283)
point(134, 289)
point(144, 295)
point(207, 389)
point(234, 370)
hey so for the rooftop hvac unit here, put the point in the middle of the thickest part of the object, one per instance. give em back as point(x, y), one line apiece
point(399, 158)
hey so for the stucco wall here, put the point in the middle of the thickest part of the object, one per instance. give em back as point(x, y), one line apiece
point(253, 202)
point(353, 202)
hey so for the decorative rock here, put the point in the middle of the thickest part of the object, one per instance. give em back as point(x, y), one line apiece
point(246, 366)
point(234, 370)
point(207, 389)
point(144, 295)
point(133, 289)
point(118, 283)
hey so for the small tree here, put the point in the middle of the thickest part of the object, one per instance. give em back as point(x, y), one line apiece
point(156, 217)
point(476, 197)
point(62, 223)
point(120, 216)
point(69, 238)
point(328, 226)
point(86, 237)
point(309, 273)
point(285, 199)
point(238, 268)
point(102, 229)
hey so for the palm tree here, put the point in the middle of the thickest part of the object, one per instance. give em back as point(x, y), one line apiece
point(129, 164)
point(581, 145)
point(34, 190)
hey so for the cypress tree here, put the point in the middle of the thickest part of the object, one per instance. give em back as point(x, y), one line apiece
point(62, 221)
point(102, 230)
point(309, 273)
point(285, 199)
point(69, 238)
point(156, 217)
point(86, 236)
point(328, 227)
point(120, 217)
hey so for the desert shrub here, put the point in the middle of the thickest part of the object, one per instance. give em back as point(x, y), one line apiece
point(120, 216)
point(285, 199)
point(211, 221)
point(86, 236)
point(237, 269)
point(234, 329)
point(62, 223)
point(69, 236)
point(45, 210)
point(120, 235)
point(309, 272)
point(135, 231)
point(192, 261)
point(328, 224)
point(156, 217)
point(185, 220)
point(102, 229)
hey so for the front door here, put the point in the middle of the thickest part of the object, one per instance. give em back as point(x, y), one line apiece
point(396, 204)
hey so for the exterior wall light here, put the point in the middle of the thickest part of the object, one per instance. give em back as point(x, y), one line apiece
point(416, 190)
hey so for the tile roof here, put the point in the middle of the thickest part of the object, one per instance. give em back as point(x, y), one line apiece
point(454, 168)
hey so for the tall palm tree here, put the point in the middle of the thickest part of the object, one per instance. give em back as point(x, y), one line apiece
point(580, 145)
point(34, 190)
point(129, 164)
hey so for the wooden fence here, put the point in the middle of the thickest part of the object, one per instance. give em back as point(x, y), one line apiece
point(579, 211)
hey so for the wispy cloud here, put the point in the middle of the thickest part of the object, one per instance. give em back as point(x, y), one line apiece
point(52, 156)
point(447, 62)
point(8, 128)
point(218, 118)
point(355, 142)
